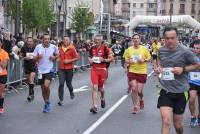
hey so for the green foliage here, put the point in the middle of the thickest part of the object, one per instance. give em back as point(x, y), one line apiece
point(37, 14)
point(82, 18)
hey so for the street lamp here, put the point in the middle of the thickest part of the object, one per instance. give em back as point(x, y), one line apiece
point(59, 6)
point(170, 11)
point(17, 19)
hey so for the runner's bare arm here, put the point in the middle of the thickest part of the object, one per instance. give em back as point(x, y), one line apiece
point(3, 64)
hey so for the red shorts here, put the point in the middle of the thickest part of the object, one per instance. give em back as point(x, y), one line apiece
point(141, 78)
point(98, 76)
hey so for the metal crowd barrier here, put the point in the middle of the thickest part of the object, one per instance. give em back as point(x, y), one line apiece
point(83, 60)
point(15, 74)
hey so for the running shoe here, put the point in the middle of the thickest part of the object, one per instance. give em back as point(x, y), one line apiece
point(141, 104)
point(193, 122)
point(49, 106)
point(72, 95)
point(60, 103)
point(30, 98)
point(45, 110)
point(198, 121)
point(2, 110)
point(93, 110)
point(135, 110)
point(103, 103)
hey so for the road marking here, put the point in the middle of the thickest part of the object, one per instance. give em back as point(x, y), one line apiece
point(150, 73)
point(81, 89)
point(102, 118)
point(107, 113)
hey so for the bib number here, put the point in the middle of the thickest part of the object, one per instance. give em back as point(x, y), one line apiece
point(136, 58)
point(29, 55)
point(167, 74)
point(96, 59)
point(194, 75)
point(39, 76)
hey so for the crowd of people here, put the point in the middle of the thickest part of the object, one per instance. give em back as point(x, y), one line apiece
point(176, 67)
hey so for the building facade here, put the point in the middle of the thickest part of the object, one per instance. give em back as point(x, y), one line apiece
point(180, 7)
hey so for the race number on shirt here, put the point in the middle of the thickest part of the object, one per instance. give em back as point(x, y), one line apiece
point(96, 59)
point(29, 55)
point(194, 75)
point(136, 58)
point(167, 74)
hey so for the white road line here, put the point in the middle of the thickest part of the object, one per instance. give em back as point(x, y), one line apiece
point(81, 89)
point(150, 73)
point(102, 118)
point(105, 115)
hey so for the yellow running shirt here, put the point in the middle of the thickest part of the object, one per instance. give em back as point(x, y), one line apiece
point(134, 54)
point(156, 47)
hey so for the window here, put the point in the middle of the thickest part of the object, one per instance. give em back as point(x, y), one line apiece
point(141, 5)
point(151, 5)
point(134, 4)
point(163, 12)
point(182, 9)
point(193, 9)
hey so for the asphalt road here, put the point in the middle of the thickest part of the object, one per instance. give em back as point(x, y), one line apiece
point(74, 117)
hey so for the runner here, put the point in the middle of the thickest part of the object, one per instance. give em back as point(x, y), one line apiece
point(67, 57)
point(45, 54)
point(99, 55)
point(3, 74)
point(116, 48)
point(194, 81)
point(174, 63)
point(29, 66)
point(155, 47)
point(136, 58)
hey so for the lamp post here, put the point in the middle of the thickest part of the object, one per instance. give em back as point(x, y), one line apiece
point(59, 6)
point(170, 11)
point(17, 19)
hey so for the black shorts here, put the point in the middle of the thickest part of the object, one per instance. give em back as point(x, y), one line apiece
point(47, 76)
point(195, 87)
point(30, 70)
point(177, 101)
point(155, 57)
point(3, 79)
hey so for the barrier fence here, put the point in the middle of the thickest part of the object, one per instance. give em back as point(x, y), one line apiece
point(16, 75)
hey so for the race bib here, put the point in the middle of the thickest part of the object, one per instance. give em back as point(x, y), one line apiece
point(167, 74)
point(194, 75)
point(117, 51)
point(39, 76)
point(29, 55)
point(136, 58)
point(96, 59)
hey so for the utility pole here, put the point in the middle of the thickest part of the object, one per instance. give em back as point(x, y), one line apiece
point(17, 18)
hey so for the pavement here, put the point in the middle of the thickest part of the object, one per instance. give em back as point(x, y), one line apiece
point(74, 117)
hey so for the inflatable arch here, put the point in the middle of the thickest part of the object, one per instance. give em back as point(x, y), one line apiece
point(163, 20)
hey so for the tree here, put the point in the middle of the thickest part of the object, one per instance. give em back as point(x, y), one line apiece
point(37, 14)
point(82, 18)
